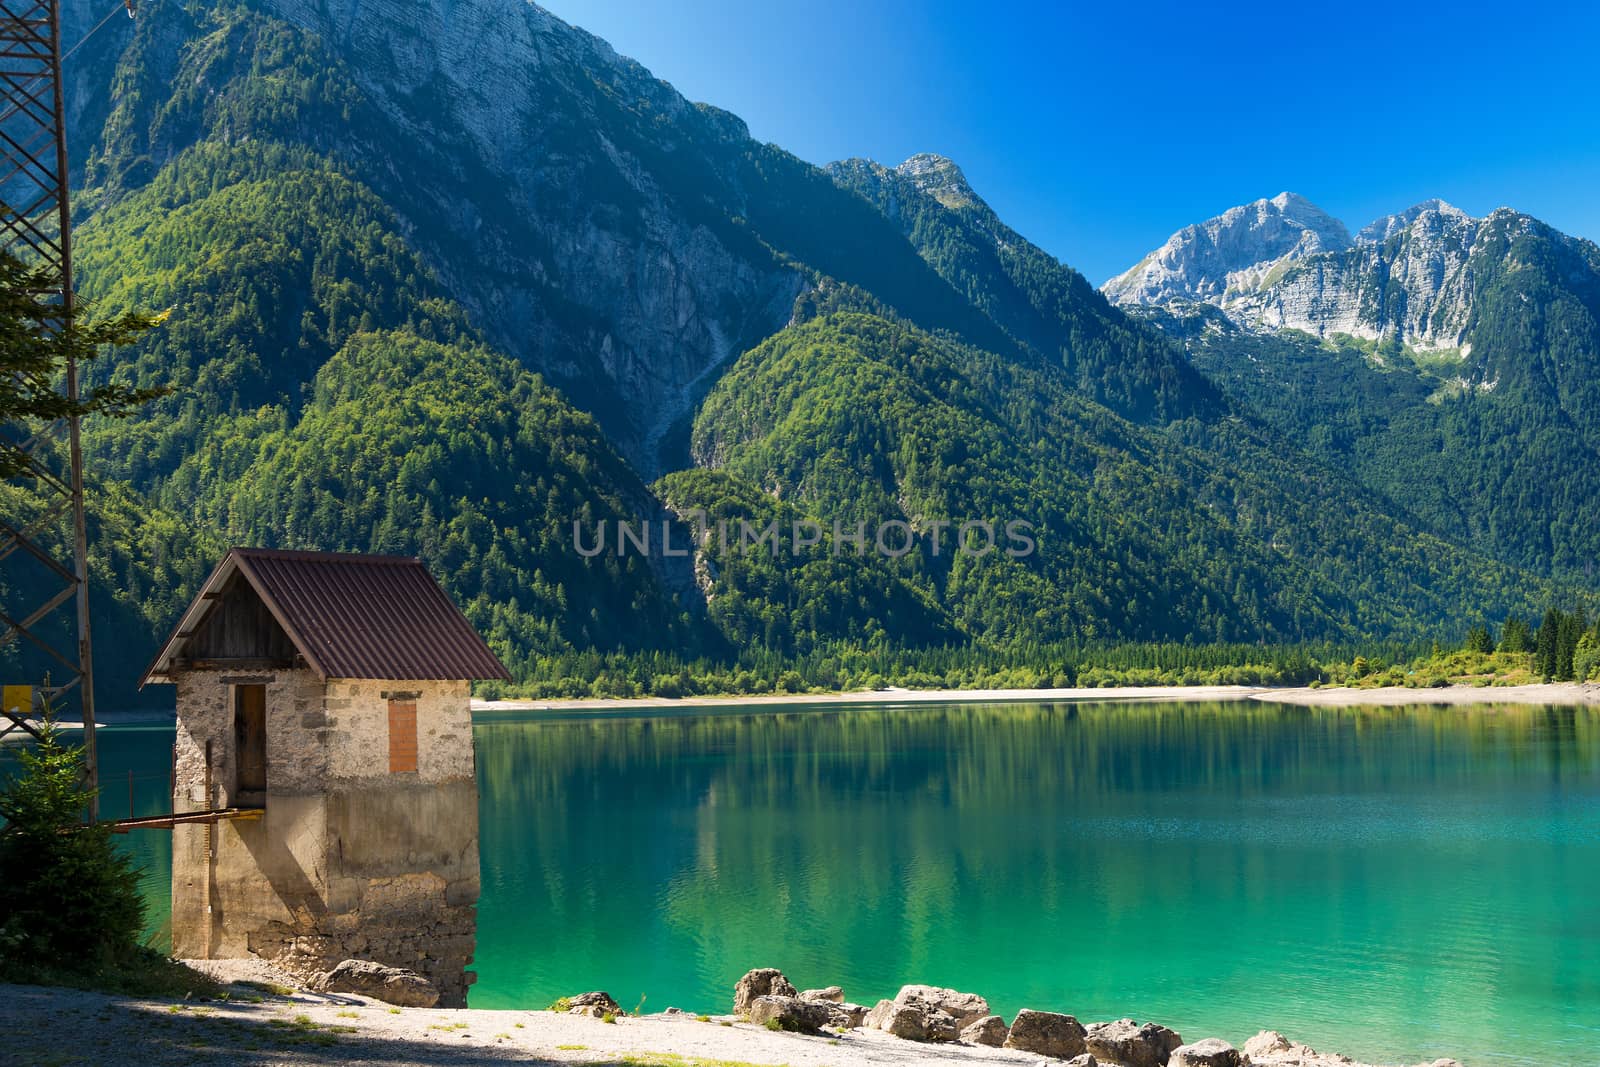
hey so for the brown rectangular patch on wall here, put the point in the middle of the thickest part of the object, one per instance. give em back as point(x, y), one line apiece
point(402, 736)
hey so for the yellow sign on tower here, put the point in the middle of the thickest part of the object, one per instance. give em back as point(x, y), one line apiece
point(17, 699)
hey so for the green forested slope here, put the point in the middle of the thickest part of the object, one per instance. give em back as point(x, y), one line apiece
point(269, 259)
point(454, 453)
point(1510, 471)
point(1035, 299)
point(325, 396)
point(1202, 530)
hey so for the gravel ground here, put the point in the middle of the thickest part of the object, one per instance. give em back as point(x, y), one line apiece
point(266, 1025)
point(59, 1027)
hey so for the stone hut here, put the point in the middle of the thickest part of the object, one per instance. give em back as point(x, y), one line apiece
point(327, 695)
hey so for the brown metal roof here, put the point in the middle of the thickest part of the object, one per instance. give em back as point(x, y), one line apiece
point(350, 616)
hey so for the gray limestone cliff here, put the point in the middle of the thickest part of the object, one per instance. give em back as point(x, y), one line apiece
point(584, 212)
point(1416, 277)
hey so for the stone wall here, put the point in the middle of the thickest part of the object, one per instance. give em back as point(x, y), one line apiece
point(296, 743)
point(347, 860)
point(357, 720)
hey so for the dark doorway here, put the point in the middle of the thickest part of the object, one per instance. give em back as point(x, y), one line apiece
point(250, 742)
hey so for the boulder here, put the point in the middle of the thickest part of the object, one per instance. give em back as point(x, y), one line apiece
point(914, 1022)
point(1212, 1052)
point(833, 994)
point(964, 1008)
point(1271, 1049)
point(1048, 1033)
point(597, 1004)
point(1085, 1060)
point(791, 1013)
point(1127, 1043)
point(990, 1030)
point(846, 1016)
point(392, 985)
point(1266, 1043)
point(761, 982)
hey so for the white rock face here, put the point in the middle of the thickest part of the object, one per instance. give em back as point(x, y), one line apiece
point(1407, 276)
point(1285, 264)
point(1230, 254)
point(939, 177)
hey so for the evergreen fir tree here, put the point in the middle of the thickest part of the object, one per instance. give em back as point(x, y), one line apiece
point(1546, 644)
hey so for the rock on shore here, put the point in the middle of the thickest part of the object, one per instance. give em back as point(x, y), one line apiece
point(792, 1013)
point(393, 985)
point(964, 1008)
point(927, 1013)
point(1271, 1049)
point(1212, 1052)
point(935, 1014)
point(1127, 1043)
point(597, 1004)
point(990, 1030)
point(761, 982)
point(1048, 1033)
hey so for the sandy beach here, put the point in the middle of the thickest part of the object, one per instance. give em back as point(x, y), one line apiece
point(1398, 696)
point(1327, 696)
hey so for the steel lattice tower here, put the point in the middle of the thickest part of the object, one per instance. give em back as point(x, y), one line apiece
point(44, 545)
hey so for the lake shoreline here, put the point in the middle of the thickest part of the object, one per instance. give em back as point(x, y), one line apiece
point(291, 1027)
point(1326, 696)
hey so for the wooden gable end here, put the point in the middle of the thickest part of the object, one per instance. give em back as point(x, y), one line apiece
point(238, 627)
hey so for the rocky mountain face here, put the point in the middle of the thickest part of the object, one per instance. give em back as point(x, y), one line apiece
point(579, 208)
point(1235, 253)
point(1415, 277)
point(613, 236)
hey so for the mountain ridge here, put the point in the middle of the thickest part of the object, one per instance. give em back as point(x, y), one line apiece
point(1282, 263)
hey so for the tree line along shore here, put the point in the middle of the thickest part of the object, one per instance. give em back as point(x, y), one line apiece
point(1564, 646)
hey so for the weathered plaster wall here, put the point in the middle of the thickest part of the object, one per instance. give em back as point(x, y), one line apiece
point(266, 875)
point(348, 860)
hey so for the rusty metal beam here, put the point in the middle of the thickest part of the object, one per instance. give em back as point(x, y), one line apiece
point(184, 818)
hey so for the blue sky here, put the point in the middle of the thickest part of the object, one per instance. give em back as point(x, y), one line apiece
point(1097, 130)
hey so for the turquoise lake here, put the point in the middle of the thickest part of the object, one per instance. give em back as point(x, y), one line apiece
point(1394, 884)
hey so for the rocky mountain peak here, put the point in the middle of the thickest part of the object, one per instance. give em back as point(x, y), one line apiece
point(1234, 251)
point(492, 65)
point(1287, 203)
point(939, 177)
point(1435, 215)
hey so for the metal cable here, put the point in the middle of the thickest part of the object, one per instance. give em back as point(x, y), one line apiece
point(122, 5)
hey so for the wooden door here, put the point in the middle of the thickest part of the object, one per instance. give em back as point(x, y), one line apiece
point(250, 738)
